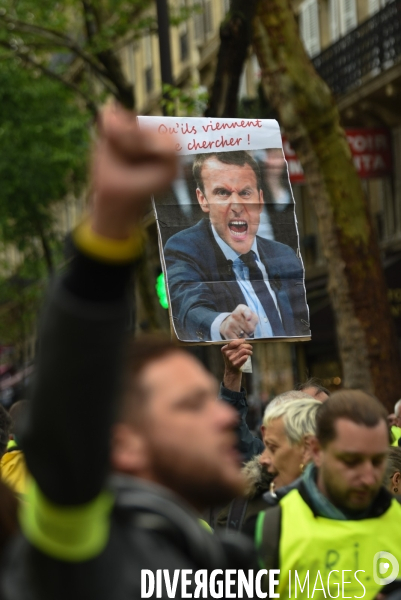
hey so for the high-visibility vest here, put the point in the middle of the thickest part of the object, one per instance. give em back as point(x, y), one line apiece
point(13, 469)
point(326, 556)
point(396, 431)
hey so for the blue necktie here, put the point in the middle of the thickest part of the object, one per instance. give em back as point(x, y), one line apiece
point(262, 293)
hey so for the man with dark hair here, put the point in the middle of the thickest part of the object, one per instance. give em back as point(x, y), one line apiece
point(337, 524)
point(240, 159)
point(226, 282)
point(172, 445)
point(314, 388)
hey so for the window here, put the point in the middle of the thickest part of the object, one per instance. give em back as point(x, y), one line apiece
point(226, 6)
point(148, 62)
point(334, 20)
point(208, 17)
point(348, 17)
point(184, 46)
point(131, 62)
point(199, 28)
point(375, 5)
point(309, 21)
point(183, 36)
point(343, 17)
point(203, 20)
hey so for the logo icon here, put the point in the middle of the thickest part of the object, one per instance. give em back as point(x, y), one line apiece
point(381, 565)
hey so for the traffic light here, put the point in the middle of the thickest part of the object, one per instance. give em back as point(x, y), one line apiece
point(161, 290)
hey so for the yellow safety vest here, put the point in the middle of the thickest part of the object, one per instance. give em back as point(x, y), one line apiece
point(335, 557)
point(13, 469)
point(396, 431)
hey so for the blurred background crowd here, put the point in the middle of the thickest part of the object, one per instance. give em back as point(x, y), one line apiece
point(172, 57)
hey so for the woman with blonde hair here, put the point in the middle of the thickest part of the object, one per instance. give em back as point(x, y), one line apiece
point(287, 427)
point(286, 431)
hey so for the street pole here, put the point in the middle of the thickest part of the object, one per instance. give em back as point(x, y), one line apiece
point(163, 24)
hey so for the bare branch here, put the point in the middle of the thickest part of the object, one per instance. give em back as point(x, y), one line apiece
point(59, 39)
point(89, 19)
point(32, 61)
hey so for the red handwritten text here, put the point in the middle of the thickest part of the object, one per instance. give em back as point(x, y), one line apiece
point(173, 130)
point(221, 143)
point(217, 126)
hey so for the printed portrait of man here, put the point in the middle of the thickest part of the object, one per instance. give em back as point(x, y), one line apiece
point(224, 280)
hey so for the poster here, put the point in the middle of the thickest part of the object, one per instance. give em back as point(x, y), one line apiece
point(228, 234)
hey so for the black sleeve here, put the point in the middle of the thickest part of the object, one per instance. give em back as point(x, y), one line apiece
point(77, 377)
point(248, 445)
point(249, 526)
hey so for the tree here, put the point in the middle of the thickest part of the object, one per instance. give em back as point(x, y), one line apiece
point(52, 36)
point(44, 140)
point(310, 119)
point(20, 299)
point(77, 43)
point(235, 36)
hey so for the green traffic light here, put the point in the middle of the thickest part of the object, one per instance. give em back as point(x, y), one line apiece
point(161, 290)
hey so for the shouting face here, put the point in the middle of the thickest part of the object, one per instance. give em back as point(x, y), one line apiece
point(233, 201)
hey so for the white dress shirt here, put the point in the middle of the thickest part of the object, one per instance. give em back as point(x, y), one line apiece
point(241, 271)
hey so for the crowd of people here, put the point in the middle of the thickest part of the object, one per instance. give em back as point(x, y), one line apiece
point(137, 461)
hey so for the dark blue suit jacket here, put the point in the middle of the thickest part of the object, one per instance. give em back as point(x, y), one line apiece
point(202, 283)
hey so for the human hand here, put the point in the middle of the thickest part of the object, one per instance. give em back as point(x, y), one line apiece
point(240, 323)
point(128, 165)
point(235, 354)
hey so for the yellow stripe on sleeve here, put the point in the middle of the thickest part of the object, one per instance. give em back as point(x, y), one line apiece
point(107, 249)
point(68, 533)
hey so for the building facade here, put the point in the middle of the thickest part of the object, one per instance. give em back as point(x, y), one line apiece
point(355, 46)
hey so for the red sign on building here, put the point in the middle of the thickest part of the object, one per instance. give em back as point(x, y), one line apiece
point(371, 151)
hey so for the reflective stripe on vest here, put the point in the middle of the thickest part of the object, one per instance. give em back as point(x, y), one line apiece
point(332, 552)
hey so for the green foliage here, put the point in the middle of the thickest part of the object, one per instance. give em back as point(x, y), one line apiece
point(20, 299)
point(53, 35)
point(183, 13)
point(44, 140)
point(184, 102)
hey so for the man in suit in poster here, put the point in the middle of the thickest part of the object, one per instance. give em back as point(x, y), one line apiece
point(225, 281)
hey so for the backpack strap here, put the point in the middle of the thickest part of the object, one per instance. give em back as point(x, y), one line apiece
point(236, 513)
point(267, 537)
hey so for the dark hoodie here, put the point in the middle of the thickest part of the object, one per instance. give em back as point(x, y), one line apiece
point(241, 509)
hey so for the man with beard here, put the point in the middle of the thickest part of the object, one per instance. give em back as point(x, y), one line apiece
point(172, 443)
point(224, 280)
point(339, 523)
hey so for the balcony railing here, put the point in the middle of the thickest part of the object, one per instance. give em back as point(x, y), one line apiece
point(371, 48)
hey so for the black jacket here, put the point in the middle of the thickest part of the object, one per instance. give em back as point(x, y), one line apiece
point(66, 442)
point(248, 445)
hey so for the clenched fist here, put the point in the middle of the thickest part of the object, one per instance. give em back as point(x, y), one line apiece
point(128, 166)
point(240, 323)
